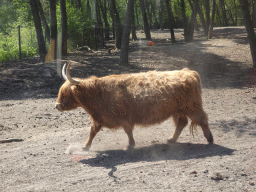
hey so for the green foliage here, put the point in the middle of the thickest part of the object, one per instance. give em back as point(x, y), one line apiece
point(13, 14)
point(8, 16)
point(80, 31)
point(9, 44)
point(23, 12)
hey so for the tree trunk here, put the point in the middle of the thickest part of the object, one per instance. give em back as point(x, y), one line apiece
point(161, 7)
point(224, 14)
point(39, 32)
point(104, 15)
point(46, 27)
point(218, 17)
point(99, 27)
point(107, 28)
point(204, 24)
point(234, 4)
point(64, 28)
point(153, 12)
point(126, 33)
point(117, 23)
point(78, 4)
point(88, 9)
point(192, 22)
point(146, 4)
point(52, 53)
point(249, 28)
point(134, 36)
point(207, 12)
point(254, 13)
point(145, 20)
point(114, 30)
point(184, 19)
point(171, 23)
point(212, 19)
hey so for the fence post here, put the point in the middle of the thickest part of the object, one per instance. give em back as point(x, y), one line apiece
point(19, 41)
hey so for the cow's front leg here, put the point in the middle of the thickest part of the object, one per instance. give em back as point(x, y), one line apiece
point(129, 131)
point(95, 128)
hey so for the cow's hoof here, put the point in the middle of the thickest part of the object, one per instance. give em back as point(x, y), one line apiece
point(86, 148)
point(170, 141)
point(210, 140)
point(129, 148)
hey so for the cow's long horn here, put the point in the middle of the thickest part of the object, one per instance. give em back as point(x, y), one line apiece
point(63, 72)
point(67, 75)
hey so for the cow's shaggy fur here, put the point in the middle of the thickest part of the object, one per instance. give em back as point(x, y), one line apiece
point(141, 98)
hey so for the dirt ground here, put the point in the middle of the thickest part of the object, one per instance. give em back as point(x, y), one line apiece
point(50, 157)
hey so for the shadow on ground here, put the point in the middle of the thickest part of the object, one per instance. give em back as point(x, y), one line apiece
point(241, 126)
point(178, 151)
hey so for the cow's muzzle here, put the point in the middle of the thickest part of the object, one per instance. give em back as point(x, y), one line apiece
point(58, 106)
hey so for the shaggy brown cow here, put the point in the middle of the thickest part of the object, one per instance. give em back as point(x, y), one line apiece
point(141, 98)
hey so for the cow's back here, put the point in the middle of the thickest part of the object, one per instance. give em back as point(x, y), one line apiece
point(152, 97)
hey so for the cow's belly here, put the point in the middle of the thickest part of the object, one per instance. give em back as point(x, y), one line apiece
point(149, 114)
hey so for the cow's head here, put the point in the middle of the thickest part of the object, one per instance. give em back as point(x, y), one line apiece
point(66, 100)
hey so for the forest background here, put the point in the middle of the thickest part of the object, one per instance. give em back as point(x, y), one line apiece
point(45, 26)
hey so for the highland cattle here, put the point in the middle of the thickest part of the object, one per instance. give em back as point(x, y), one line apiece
point(144, 98)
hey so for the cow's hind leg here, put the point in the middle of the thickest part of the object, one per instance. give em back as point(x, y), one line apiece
point(95, 128)
point(200, 118)
point(129, 131)
point(180, 122)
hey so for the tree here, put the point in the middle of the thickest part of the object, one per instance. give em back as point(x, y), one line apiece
point(42, 16)
point(64, 28)
point(99, 37)
point(171, 20)
point(134, 36)
point(78, 4)
point(254, 13)
point(224, 14)
point(192, 22)
point(52, 53)
point(201, 16)
point(184, 19)
point(126, 33)
point(103, 8)
point(212, 20)
point(207, 12)
point(88, 9)
point(161, 7)
point(249, 28)
point(39, 32)
point(145, 20)
point(116, 22)
point(147, 5)
point(189, 26)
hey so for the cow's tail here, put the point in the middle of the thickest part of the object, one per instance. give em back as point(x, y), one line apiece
point(193, 128)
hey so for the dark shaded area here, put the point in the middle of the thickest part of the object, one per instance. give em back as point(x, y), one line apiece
point(241, 126)
point(238, 34)
point(157, 152)
point(26, 78)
